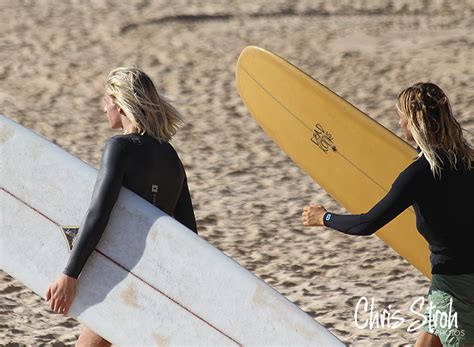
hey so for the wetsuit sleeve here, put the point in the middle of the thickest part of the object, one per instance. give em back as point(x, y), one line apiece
point(184, 212)
point(106, 190)
point(402, 194)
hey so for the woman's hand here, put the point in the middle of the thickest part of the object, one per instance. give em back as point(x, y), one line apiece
point(61, 293)
point(313, 215)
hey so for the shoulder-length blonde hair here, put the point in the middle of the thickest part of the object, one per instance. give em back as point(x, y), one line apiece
point(433, 126)
point(133, 91)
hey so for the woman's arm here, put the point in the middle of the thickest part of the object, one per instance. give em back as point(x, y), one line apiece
point(106, 190)
point(403, 193)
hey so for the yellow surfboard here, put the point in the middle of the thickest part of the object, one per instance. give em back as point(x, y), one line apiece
point(350, 155)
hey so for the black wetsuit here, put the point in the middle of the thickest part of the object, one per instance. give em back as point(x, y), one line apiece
point(152, 170)
point(444, 211)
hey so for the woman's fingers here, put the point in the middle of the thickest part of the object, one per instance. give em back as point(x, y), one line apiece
point(306, 220)
point(52, 299)
point(59, 305)
point(54, 304)
point(53, 296)
point(48, 294)
point(311, 215)
point(308, 208)
point(61, 293)
point(67, 305)
point(62, 307)
point(304, 215)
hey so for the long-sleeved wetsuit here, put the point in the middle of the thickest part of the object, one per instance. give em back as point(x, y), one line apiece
point(151, 169)
point(444, 210)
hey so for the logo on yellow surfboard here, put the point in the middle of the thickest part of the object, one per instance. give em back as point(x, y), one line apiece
point(323, 139)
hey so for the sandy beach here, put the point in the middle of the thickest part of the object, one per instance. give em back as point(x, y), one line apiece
point(248, 195)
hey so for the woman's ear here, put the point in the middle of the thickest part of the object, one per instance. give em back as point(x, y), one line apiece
point(121, 111)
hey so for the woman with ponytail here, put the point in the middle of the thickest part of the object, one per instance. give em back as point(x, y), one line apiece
point(141, 159)
point(439, 185)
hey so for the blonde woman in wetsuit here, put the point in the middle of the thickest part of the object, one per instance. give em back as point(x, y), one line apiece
point(439, 185)
point(141, 159)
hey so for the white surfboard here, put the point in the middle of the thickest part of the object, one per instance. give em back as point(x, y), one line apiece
point(150, 281)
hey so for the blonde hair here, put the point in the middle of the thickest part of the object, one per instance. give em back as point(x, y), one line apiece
point(433, 126)
point(147, 109)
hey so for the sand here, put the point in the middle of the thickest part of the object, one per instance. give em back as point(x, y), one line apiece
point(247, 193)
